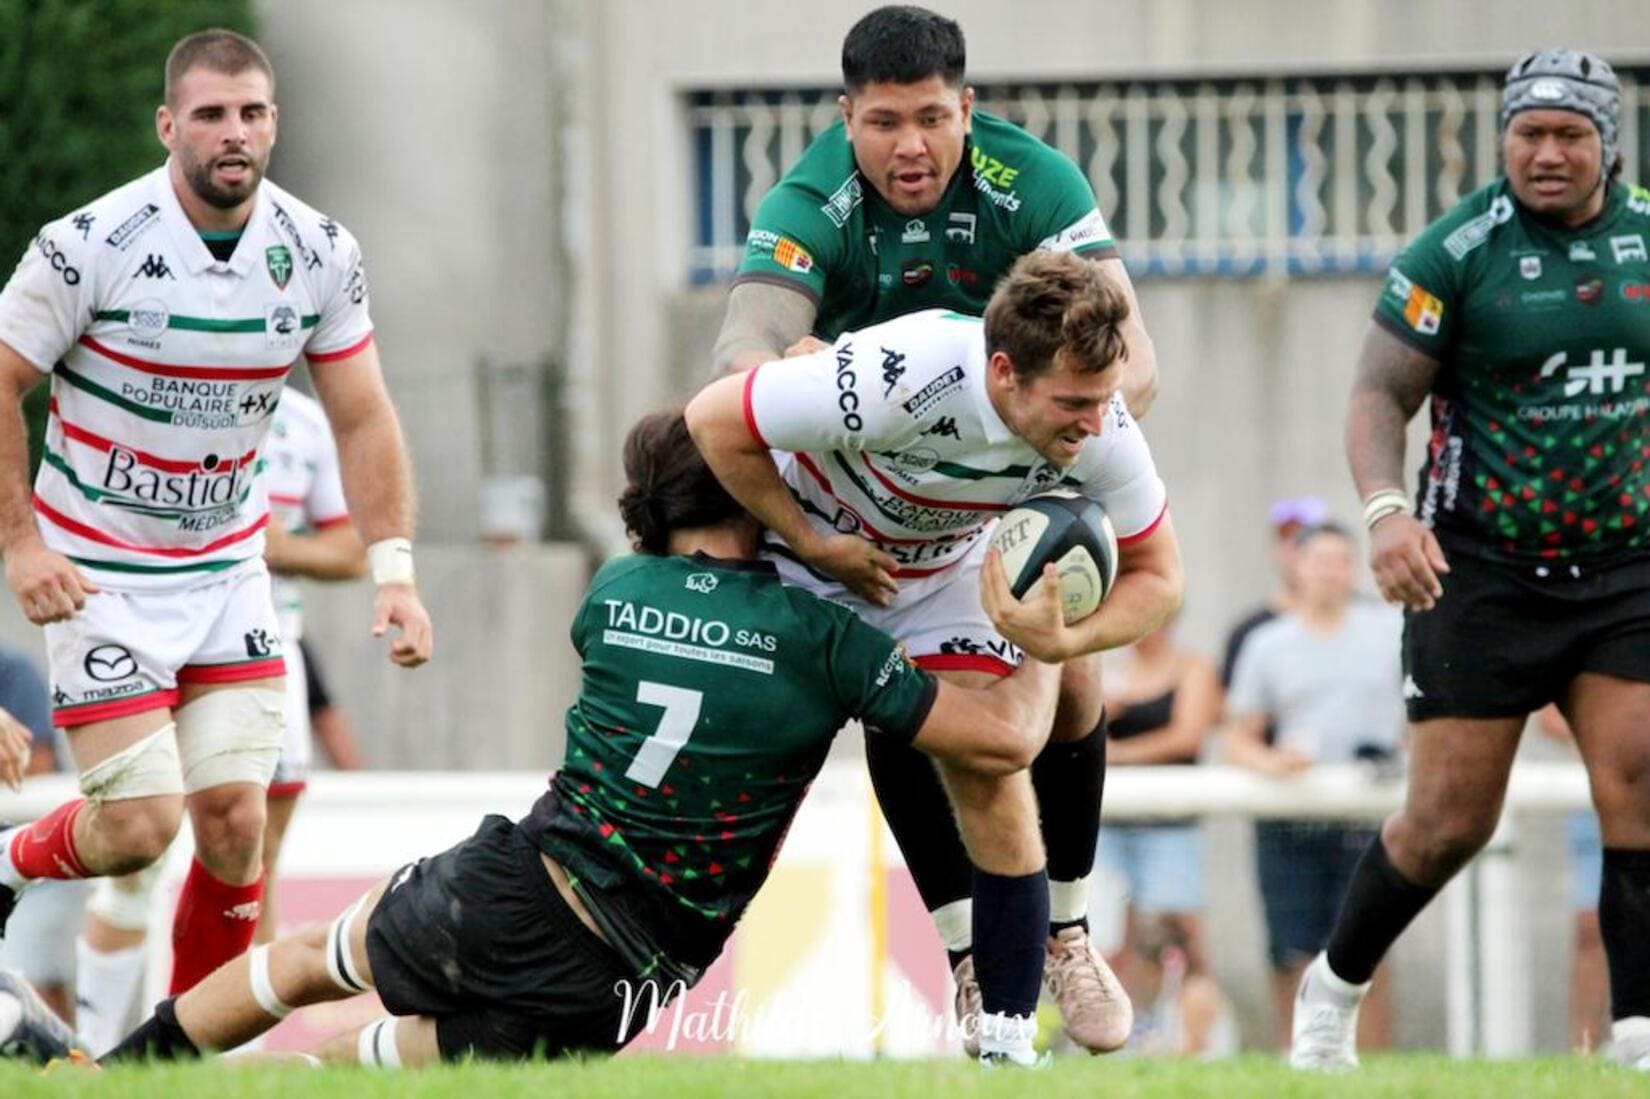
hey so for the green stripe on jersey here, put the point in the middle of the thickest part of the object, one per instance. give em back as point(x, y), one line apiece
point(206, 324)
point(86, 385)
point(127, 566)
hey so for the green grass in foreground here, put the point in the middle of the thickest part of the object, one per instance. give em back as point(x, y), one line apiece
point(689, 1077)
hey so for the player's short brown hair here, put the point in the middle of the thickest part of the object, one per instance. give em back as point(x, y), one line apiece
point(1053, 303)
point(669, 486)
point(217, 50)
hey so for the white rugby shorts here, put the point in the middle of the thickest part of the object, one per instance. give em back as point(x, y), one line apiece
point(939, 618)
point(128, 652)
point(292, 772)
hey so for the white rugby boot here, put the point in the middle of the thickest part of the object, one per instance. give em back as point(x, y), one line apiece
point(1630, 1043)
point(1324, 1033)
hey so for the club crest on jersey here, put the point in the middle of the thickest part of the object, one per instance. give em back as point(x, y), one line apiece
point(1529, 266)
point(916, 232)
point(279, 261)
point(1582, 252)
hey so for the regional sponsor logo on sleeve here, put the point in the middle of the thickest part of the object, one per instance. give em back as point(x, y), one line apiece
point(1423, 311)
point(1086, 232)
point(787, 253)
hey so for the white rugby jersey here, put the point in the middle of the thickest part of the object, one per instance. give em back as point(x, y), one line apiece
point(166, 366)
point(890, 435)
point(305, 491)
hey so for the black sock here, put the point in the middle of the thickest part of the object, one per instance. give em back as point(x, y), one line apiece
point(955, 957)
point(919, 814)
point(1010, 929)
point(1623, 917)
point(1380, 902)
point(159, 1038)
point(1070, 780)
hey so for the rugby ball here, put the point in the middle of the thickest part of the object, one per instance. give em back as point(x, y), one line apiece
point(1069, 530)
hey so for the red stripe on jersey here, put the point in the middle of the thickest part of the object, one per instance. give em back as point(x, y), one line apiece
point(946, 505)
point(285, 498)
point(170, 370)
point(232, 673)
point(68, 717)
point(355, 348)
point(74, 526)
point(329, 521)
point(1143, 534)
point(876, 535)
point(750, 413)
point(963, 662)
point(153, 461)
point(918, 574)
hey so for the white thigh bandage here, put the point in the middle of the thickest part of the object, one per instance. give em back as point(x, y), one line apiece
point(123, 902)
point(147, 769)
point(262, 990)
point(231, 735)
point(340, 962)
point(375, 1048)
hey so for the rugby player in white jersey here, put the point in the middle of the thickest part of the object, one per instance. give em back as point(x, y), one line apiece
point(309, 535)
point(168, 312)
point(879, 464)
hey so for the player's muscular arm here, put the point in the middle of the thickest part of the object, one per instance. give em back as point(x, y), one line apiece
point(1393, 380)
point(762, 321)
point(47, 585)
point(373, 465)
point(334, 552)
point(1139, 385)
point(716, 419)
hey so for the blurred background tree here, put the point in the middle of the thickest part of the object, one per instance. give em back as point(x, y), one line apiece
point(79, 84)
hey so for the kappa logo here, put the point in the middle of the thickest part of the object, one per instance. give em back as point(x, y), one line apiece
point(702, 582)
point(246, 910)
point(893, 369)
point(945, 427)
point(154, 267)
point(279, 261)
point(330, 228)
point(107, 663)
point(1412, 689)
point(83, 222)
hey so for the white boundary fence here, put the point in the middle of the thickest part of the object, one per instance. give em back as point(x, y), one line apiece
point(809, 946)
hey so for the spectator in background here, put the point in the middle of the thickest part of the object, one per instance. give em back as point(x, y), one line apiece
point(40, 936)
point(1180, 1010)
point(1325, 675)
point(1288, 517)
point(1589, 975)
point(1162, 701)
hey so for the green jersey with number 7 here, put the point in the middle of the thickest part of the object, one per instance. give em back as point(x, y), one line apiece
point(711, 694)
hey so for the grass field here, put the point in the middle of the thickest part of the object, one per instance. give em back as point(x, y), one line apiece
point(690, 1077)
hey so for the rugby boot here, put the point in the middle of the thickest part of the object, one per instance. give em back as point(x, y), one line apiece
point(993, 1062)
point(1324, 1032)
point(968, 1005)
point(29, 1031)
point(1093, 1006)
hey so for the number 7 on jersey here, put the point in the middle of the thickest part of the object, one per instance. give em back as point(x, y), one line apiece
point(659, 751)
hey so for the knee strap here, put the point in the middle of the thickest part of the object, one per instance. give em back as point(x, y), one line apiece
point(231, 735)
point(146, 769)
point(340, 964)
point(375, 1048)
point(262, 990)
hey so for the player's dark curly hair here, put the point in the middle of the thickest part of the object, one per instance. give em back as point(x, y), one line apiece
point(1052, 302)
point(668, 485)
point(902, 44)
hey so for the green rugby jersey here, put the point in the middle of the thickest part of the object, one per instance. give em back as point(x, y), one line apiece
point(825, 231)
point(1539, 439)
point(710, 696)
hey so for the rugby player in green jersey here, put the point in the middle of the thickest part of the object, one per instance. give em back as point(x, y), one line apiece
point(917, 200)
point(1524, 314)
point(711, 693)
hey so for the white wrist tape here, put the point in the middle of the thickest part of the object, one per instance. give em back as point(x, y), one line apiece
point(1383, 502)
point(391, 560)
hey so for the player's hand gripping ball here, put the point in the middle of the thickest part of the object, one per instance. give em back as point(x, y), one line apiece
point(1069, 530)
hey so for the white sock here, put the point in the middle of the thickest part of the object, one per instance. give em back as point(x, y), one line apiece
point(8, 873)
point(1068, 901)
point(106, 988)
point(1009, 1034)
point(1634, 1026)
point(1341, 988)
point(955, 923)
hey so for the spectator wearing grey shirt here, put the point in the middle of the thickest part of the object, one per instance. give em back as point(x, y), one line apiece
point(1326, 677)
